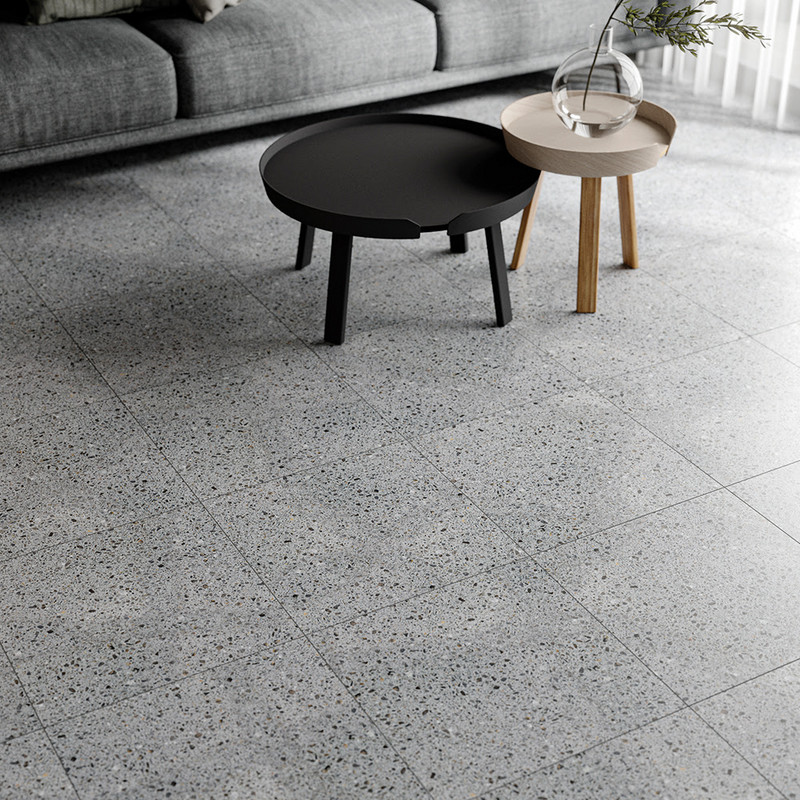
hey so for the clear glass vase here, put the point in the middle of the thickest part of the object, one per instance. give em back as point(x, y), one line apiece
point(597, 91)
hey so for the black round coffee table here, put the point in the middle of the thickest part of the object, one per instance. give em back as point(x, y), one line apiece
point(395, 176)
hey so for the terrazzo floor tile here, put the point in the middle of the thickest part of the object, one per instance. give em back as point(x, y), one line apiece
point(469, 370)
point(16, 295)
point(639, 321)
point(706, 593)
point(18, 716)
point(387, 285)
point(785, 341)
point(741, 144)
point(758, 172)
point(42, 370)
point(671, 758)
point(262, 254)
point(34, 197)
point(181, 330)
point(552, 470)
point(470, 271)
point(178, 176)
point(721, 274)
point(230, 221)
point(775, 495)
point(761, 720)
point(684, 202)
point(78, 472)
point(661, 197)
point(150, 271)
point(773, 173)
point(731, 410)
point(486, 679)
point(358, 534)
point(30, 768)
point(108, 616)
point(246, 425)
point(790, 228)
point(278, 727)
point(96, 241)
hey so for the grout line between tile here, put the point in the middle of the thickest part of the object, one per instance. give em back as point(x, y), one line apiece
point(304, 634)
point(42, 727)
point(572, 756)
point(592, 382)
point(612, 634)
point(741, 755)
point(609, 528)
point(35, 729)
point(743, 683)
point(761, 513)
point(655, 435)
point(760, 474)
point(772, 349)
point(276, 598)
point(92, 534)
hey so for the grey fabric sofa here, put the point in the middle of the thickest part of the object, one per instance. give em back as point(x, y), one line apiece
point(85, 86)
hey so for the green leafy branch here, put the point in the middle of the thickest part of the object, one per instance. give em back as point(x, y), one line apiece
point(685, 27)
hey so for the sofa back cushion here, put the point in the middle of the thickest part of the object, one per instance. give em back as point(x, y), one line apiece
point(265, 52)
point(479, 33)
point(80, 79)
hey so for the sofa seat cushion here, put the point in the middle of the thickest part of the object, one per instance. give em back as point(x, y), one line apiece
point(79, 79)
point(264, 52)
point(476, 33)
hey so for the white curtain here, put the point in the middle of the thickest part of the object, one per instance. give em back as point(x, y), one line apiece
point(744, 74)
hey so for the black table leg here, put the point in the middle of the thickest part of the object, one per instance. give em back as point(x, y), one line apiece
point(338, 288)
point(459, 243)
point(497, 266)
point(305, 246)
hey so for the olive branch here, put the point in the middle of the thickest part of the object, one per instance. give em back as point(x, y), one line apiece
point(687, 27)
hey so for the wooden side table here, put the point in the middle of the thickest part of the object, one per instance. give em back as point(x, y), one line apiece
point(535, 136)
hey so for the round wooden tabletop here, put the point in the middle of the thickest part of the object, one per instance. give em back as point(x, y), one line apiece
point(535, 136)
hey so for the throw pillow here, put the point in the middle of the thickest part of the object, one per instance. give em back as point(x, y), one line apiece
point(205, 10)
point(42, 11)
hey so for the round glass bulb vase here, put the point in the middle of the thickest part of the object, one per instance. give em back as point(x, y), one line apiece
point(595, 96)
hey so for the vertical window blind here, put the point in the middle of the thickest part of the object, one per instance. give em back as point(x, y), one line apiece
point(742, 73)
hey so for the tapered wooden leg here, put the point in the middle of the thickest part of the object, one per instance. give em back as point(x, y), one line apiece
point(305, 246)
point(589, 245)
point(627, 221)
point(525, 227)
point(338, 288)
point(459, 243)
point(497, 266)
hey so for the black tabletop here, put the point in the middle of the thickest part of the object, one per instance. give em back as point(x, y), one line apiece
point(396, 175)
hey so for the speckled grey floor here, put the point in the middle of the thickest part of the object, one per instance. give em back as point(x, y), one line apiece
point(445, 560)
